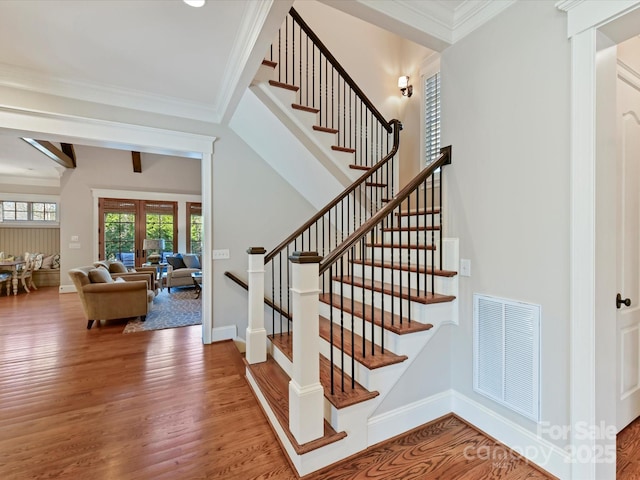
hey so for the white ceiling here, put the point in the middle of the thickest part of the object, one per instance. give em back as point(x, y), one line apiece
point(162, 56)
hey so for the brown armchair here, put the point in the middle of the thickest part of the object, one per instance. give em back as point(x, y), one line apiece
point(105, 299)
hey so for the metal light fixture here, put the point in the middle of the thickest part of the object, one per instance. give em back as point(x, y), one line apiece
point(405, 88)
point(154, 245)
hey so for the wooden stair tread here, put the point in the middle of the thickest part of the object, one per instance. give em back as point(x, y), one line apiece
point(319, 128)
point(371, 361)
point(394, 323)
point(405, 267)
point(269, 63)
point(419, 228)
point(407, 213)
point(339, 399)
point(402, 245)
point(405, 293)
point(304, 108)
point(338, 148)
point(275, 83)
point(359, 167)
point(274, 385)
point(375, 184)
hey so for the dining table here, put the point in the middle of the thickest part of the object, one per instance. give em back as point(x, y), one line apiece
point(13, 266)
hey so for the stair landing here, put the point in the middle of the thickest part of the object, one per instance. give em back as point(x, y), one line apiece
point(274, 385)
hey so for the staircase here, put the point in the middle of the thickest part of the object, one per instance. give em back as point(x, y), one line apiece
point(358, 291)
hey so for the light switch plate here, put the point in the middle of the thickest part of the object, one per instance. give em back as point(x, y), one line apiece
point(220, 254)
point(465, 267)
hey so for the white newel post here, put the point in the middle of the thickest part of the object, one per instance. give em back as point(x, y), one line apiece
point(256, 334)
point(306, 395)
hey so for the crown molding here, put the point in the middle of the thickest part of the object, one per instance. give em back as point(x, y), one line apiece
point(30, 80)
point(6, 179)
point(472, 15)
point(254, 17)
point(566, 5)
point(439, 20)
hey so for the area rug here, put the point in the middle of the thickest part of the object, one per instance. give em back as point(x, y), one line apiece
point(180, 308)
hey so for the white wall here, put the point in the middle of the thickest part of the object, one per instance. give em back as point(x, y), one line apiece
point(505, 111)
point(102, 168)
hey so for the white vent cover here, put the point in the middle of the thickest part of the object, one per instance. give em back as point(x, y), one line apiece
point(506, 353)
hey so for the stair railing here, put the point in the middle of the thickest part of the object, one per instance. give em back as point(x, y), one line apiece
point(419, 204)
point(303, 61)
point(327, 229)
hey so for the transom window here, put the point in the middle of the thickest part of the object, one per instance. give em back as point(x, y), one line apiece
point(23, 211)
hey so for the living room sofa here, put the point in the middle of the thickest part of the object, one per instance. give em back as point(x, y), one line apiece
point(104, 298)
point(118, 269)
point(179, 270)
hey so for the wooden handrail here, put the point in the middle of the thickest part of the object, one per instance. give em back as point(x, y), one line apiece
point(366, 227)
point(244, 285)
point(350, 189)
point(343, 73)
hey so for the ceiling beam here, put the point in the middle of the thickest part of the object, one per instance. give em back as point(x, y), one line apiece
point(68, 149)
point(53, 152)
point(137, 163)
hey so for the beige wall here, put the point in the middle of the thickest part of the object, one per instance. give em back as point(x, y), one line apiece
point(506, 113)
point(17, 241)
point(253, 206)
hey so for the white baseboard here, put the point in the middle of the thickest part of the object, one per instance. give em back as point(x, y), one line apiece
point(543, 453)
point(67, 289)
point(389, 424)
point(228, 332)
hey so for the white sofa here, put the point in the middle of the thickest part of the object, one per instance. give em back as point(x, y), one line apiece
point(179, 270)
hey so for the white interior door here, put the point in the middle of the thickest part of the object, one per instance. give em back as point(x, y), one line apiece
point(628, 253)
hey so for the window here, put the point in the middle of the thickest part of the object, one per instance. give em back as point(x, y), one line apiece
point(194, 227)
point(22, 211)
point(124, 224)
point(432, 118)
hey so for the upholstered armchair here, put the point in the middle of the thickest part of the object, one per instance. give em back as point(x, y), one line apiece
point(118, 269)
point(104, 298)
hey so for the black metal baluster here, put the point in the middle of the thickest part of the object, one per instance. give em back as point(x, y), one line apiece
point(342, 323)
point(331, 327)
point(353, 340)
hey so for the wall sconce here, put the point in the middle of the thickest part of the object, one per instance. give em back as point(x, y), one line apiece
point(405, 88)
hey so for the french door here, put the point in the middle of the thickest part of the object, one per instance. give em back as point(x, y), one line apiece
point(124, 225)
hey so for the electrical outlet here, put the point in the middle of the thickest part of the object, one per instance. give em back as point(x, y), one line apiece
point(465, 267)
point(220, 254)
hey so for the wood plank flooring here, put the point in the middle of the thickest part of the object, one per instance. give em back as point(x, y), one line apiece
point(99, 405)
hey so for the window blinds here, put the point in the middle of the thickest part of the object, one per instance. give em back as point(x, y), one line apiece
point(432, 118)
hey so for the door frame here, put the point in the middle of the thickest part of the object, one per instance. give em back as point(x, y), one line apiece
point(590, 363)
point(109, 134)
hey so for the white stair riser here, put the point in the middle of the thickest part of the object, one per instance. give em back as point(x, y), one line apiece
point(443, 285)
point(413, 220)
point(379, 379)
point(424, 257)
point(402, 238)
point(402, 344)
point(419, 312)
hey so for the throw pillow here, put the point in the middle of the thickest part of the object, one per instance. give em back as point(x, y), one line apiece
point(100, 275)
point(191, 261)
point(117, 267)
point(47, 262)
point(176, 262)
point(119, 280)
point(37, 264)
point(56, 261)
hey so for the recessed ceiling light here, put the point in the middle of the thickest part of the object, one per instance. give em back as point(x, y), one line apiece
point(195, 3)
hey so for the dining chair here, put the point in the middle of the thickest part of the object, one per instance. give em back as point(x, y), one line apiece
point(25, 275)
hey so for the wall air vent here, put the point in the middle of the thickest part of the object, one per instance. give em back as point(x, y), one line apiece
point(506, 353)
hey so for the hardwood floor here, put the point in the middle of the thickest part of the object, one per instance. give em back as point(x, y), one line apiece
point(99, 405)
